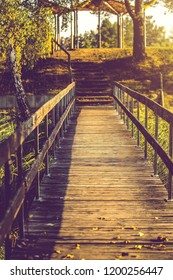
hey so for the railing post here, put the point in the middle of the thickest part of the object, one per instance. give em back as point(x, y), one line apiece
point(146, 127)
point(123, 115)
point(138, 117)
point(54, 124)
point(7, 199)
point(46, 137)
point(37, 147)
point(170, 179)
point(156, 137)
point(61, 112)
point(20, 176)
point(127, 119)
point(132, 111)
point(57, 119)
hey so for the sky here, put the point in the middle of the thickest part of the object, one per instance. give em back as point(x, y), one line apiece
point(89, 22)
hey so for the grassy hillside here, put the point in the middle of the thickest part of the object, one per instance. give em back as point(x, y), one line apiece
point(51, 75)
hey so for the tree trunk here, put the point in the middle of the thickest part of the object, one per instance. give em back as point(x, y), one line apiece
point(137, 16)
point(20, 93)
point(139, 38)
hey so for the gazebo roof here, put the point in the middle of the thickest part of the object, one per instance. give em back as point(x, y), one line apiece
point(110, 6)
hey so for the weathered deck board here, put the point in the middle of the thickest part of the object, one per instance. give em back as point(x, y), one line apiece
point(101, 195)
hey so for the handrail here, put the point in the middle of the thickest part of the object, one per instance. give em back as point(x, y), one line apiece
point(125, 106)
point(55, 115)
point(67, 53)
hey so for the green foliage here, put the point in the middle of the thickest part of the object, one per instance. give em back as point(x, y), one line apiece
point(88, 40)
point(27, 28)
point(163, 140)
point(109, 34)
point(155, 35)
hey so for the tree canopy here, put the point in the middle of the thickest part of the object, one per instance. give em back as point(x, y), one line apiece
point(26, 26)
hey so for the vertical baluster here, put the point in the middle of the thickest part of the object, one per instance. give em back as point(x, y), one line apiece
point(7, 199)
point(146, 126)
point(37, 147)
point(138, 117)
point(127, 120)
point(54, 124)
point(132, 111)
point(117, 95)
point(170, 179)
point(156, 137)
point(20, 177)
point(46, 137)
point(123, 100)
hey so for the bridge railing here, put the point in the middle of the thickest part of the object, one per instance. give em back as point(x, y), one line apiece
point(25, 158)
point(153, 127)
point(54, 42)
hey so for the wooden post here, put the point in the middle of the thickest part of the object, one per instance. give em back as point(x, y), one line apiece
point(156, 137)
point(20, 176)
point(99, 29)
point(120, 30)
point(138, 117)
point(170, 179)
point(74, 38)
point(72, 41)
point(161, 90)
point(37, 147)
point(46, 137)
point(146, 127)
point(127, 120)
point(7, 199)
point(132, 110)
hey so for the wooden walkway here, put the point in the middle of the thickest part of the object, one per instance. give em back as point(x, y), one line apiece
point(101, 200)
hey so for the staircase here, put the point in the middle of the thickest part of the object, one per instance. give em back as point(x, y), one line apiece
point(93, 86)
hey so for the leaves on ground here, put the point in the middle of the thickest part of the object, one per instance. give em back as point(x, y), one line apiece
point(77, 246)
point(138, 247)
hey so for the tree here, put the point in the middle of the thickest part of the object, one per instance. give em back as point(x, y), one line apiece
point(128, 32)
point(168, 4)
point(25, 29)
point(137, 14)
point(108, 33)
point(155, 35)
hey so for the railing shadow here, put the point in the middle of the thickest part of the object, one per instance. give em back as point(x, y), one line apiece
point(42, 230)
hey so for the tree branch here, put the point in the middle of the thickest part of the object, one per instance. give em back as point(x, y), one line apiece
point(129, 9)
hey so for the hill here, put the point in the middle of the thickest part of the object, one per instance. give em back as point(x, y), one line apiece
point(51, 75)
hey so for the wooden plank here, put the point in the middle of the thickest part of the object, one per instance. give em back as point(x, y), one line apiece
point(104, 198)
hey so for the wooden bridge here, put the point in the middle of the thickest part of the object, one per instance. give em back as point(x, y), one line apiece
point(99, 197)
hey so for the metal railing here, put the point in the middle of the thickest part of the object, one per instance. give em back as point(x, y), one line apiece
point(146, 117)
point(36, 136)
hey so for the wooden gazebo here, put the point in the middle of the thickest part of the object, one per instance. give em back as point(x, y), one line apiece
point(115, 7)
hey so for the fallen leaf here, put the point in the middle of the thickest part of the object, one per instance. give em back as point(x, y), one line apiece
point(78, 246)
point(50, 224)
point(113, 242)
point(156, 218)
point(134, 228)
point(30, 216)
point(118, 257)
point(141, 234)
point(70, 256)
point(126, 241)
point(94, 228)
point(138, 247)
point(58, 251)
